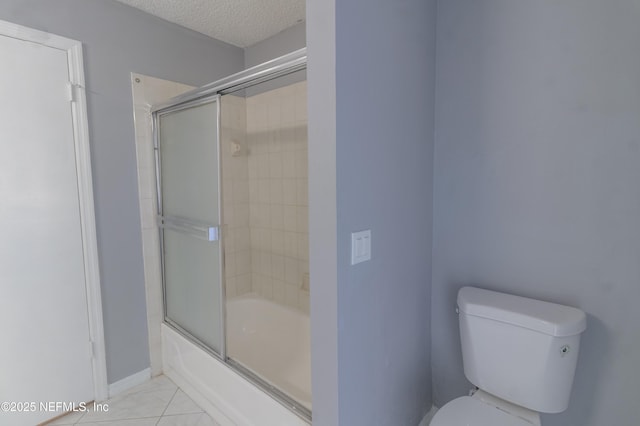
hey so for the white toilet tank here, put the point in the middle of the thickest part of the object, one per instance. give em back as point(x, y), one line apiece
point(519, 349)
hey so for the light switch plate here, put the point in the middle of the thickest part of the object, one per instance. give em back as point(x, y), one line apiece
point(360, 246)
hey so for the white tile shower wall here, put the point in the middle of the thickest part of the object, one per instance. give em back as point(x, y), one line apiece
point(276, 123)
point(235, 196)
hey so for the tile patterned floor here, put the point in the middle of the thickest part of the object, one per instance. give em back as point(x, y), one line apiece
point(158, 402)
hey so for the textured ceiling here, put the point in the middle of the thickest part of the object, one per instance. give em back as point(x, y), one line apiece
point(238, 22)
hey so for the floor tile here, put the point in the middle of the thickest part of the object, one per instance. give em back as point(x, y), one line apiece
point(156, 402)
point(198, 419)
point(157, 383)
point(181, 404)
point(147, 400)
point(69, 419)
point(150, 421)
point(147, 404)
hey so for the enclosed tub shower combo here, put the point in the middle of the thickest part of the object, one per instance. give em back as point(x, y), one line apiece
point(231, 169)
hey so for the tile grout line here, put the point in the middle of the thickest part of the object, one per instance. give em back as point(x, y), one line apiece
point(78, 422)
point(168, 404)
point(114, 420)
point(75, 423)
point(158, 418)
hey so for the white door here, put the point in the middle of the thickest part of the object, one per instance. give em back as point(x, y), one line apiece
point(45, 352)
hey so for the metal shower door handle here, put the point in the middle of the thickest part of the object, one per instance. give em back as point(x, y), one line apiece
point(190, 227)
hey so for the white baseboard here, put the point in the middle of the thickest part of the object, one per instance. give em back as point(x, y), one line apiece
point(129, 382)
point(427, 419)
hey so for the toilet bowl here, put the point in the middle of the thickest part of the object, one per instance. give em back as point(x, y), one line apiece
point(483, 409)
point(521, 355)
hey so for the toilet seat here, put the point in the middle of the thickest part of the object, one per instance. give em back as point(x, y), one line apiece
point(469, 411)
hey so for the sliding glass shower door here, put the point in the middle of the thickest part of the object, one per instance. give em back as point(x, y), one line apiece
point(188, 165)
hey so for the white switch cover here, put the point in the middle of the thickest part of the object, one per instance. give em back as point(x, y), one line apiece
point(360, 246)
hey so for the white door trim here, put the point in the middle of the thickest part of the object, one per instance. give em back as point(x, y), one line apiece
point(85, 189)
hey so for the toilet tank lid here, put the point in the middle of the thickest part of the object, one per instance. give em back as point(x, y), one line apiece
point(549, 318)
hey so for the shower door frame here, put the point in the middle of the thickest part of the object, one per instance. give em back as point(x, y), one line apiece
point(163, 223)
point(284, 65)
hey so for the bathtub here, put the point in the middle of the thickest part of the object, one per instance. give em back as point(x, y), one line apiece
point(270, 340)
point(273, 342)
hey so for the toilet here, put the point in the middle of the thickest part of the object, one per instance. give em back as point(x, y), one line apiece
point(521, 355)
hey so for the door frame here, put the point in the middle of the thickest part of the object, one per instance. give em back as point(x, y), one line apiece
point(78, 102)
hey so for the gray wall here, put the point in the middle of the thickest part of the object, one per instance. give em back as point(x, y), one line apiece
point(285, 41)
point(118, 40)
point(537, 181)
point(385, 80)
